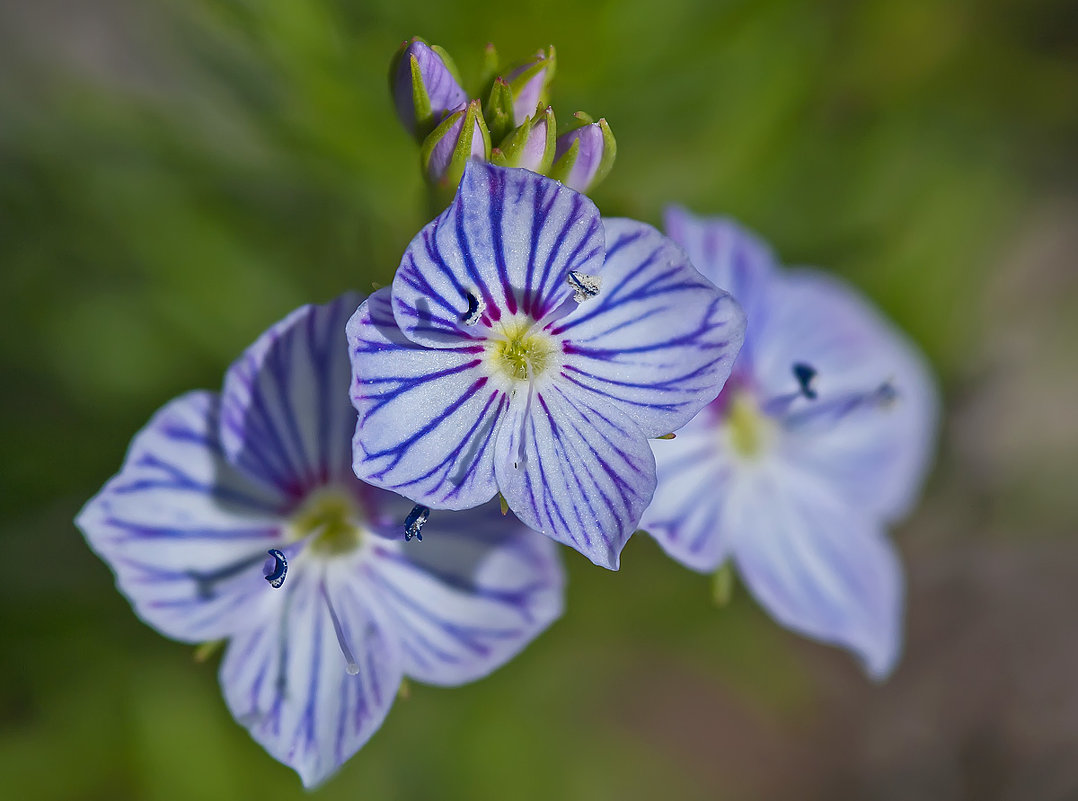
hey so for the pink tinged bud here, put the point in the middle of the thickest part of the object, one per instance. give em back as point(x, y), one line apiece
point(529, 83)
point(461, 136)
point(425, 89)
point(584, 156)
point(530, 146)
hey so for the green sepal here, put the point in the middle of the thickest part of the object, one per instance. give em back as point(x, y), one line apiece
point(498, 110)
point(722, 584)
point(205, 650)
point(420, 100)
point(488, 70)
point(610, 152)
point(561, 168)
point(578, 120)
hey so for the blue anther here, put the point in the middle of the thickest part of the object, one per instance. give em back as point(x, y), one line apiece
point(804, 375)
point(413, 524)
point(280, 569)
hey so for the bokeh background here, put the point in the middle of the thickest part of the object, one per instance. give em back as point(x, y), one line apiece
point(176, 175)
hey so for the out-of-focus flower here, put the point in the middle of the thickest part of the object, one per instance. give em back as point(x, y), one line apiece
point(237, 516)
point(820, 438)
point(531, 146)
point(425, 89)
point(530, 348)
point(462, 136)
point(585, 154)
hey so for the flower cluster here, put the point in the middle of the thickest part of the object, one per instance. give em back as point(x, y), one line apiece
point(509, 123)
point(333, 514)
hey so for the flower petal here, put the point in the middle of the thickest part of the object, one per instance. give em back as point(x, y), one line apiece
point(575, 469)
point(285, 415)
point(877, 454)
point(726, 254)
point(509, 239)
point(817, 564)
point(427, 416)
point(659, 340)
point(184, 531)
point(693, 478)
point(468, 598)
point(286, 678)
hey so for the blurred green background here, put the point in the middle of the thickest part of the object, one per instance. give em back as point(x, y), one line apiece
point(175, 176)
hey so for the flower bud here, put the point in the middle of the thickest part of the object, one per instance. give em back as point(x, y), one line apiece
point(461, 136)
point(529, 83)
point(498, 110)
point(584, 154)
point(424, 86)
point(530, 146)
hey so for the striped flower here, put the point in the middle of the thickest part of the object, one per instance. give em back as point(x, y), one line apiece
point(237, 516)
point(529, 347)
point(819, 440)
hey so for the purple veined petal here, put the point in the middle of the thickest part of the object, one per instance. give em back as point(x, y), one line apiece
point(285, 413)
point(287, 681)
point(659, 340)
point(729, 256)
point(427, 416)
point(693, 478)
point(817, 564)
point(477, 590)
point(185, 532)
point(509, 238)
point(876, 455)
point(576, 469)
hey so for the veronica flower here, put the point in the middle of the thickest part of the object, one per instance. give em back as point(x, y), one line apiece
point(237, 516)
point(820, 438)
point(530, 348)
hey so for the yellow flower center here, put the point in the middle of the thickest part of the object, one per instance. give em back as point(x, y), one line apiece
point(333, 518)
point(747, 427)
point(521, 353)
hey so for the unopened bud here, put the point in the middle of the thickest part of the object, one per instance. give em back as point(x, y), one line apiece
point(461, 136)
point(425, 89)
point(530, 146)
point(584, 154)
point(529, 83)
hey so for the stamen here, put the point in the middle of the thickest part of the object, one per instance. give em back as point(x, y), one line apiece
point(805, 374)
point(476, 307)
point(351, 666)
point(413, 524)
point(829, 412)
point(522, 455)
point(585, 286)
point(276, 571)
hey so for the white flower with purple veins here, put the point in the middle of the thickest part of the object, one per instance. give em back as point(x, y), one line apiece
point(529, 347)
point(820, 438)
point(237, 516)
